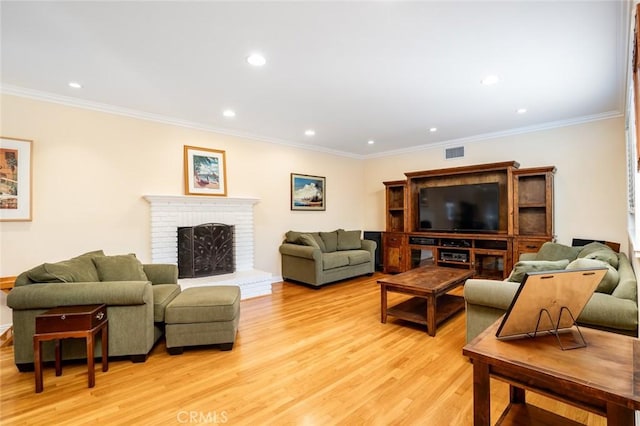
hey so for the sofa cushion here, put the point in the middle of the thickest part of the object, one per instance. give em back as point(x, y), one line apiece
point(330, 241)
point(293, 237)
point(555, 251)
point(610, 280)
point(524, 266)
point(602, 310)
point(357, 257)
point(204, 305)
point(124, 267)
point(627, 287)
point(334, 260)
point(599, 251)
point(77, 269)
point(308, 240)
point(349, 240)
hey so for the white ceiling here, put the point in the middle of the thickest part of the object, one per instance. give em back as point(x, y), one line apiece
point(352, 71)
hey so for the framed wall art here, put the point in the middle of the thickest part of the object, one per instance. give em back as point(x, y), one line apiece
point(308, 192)
point(15, 179)
point(204, 171)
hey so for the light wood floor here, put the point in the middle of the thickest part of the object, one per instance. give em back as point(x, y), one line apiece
point(303, 357)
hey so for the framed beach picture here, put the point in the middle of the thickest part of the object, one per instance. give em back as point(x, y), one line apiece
point(307, 192)
point(204, 171)
point(15, 179)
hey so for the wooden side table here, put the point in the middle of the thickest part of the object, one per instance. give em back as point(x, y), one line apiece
point(83, 321)
point(601, 377)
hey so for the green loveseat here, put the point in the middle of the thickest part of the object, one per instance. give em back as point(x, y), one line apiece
point(135, 294)
point(613, 306)
point(318, 258)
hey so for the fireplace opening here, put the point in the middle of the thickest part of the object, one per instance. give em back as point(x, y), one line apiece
point(205, 250)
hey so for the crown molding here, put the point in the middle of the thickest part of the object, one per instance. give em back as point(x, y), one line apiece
point(110, 109)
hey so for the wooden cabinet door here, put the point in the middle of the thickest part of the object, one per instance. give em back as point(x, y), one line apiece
point(394, 258)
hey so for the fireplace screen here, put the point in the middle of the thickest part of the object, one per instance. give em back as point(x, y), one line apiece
point(205, 250)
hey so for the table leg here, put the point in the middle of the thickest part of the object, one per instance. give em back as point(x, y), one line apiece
point(481, 394)
point(91, 360)
point(37, 362)
point(516, 395)
point(383, 303)
point(105, 348)
point(619, 415)
point(58, 354)
point(431, 315)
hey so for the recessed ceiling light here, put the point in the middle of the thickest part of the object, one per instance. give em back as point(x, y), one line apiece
point(229, 113)
point(256, 59)
point(490, 80)
point(521, 110)
point(433, 129)
point(75, 85)
point(310, 132)
point(371, 141)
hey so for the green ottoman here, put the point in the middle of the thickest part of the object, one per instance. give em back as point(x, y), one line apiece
point(203, 316)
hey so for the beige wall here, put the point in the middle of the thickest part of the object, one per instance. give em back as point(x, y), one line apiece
point(91, 169)
point(590, 182)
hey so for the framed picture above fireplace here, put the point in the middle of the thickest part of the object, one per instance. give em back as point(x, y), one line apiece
point(308, 192)
point(204, 171)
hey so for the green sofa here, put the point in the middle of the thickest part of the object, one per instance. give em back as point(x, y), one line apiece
point(135, 294)
point(613, 306)
point(318, 258)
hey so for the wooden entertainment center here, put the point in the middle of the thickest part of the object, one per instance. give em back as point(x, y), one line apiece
point(525, 220)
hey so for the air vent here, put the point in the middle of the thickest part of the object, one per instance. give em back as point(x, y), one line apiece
point(457, 152)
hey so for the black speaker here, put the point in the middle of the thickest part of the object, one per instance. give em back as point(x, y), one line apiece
point(377, 237)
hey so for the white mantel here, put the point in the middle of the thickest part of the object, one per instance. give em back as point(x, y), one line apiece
point(168, 212)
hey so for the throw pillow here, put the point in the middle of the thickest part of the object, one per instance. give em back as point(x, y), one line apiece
point(293, 236)
point(599, 251)
point(120, 268)
point(307, 240)
point(330, 240)
point(525, 266)
point(555, 251)
point(77, 269)
point(349, 240)
point(610, 280)
point(319, 241)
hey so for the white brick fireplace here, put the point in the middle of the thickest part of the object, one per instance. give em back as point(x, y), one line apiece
point(170, 212)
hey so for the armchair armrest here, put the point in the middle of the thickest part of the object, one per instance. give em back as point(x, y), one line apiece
point(161, 273)
point(370, 246)
point(44, 296)
point(491, 293)
point(297, 250)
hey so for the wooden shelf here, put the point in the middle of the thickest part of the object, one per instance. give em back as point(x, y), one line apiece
point(529, 415)
point(415, 309)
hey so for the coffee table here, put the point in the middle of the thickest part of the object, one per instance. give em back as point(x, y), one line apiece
point(431, 305)
point(603, 377)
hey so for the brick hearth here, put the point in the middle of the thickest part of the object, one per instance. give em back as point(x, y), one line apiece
point(170, 212)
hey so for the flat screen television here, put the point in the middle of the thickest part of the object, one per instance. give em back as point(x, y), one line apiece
point(460, 208)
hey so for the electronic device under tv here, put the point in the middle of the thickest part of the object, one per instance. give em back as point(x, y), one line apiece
point(460, 208)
